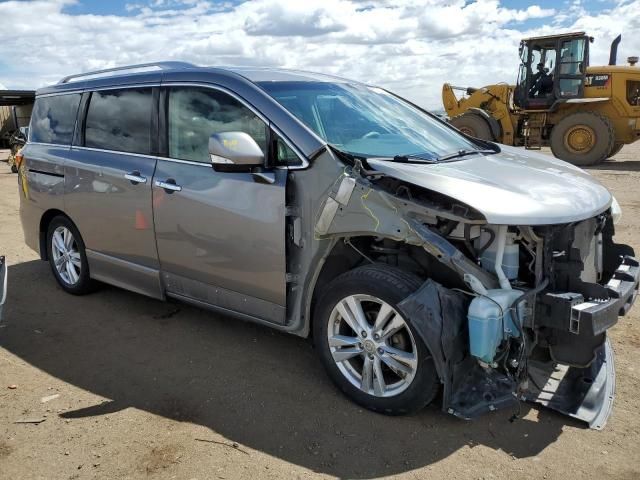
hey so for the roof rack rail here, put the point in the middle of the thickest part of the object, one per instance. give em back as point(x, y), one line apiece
point(142, 67)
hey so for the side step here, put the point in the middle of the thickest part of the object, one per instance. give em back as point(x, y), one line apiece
point(533, 128)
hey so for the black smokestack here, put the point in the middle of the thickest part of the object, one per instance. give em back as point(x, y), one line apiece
point(613, 54)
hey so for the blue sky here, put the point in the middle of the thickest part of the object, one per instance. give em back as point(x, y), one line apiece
point(409, 46)
point(119, 7)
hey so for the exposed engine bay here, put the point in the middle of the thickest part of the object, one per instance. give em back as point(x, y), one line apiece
point(509, 312)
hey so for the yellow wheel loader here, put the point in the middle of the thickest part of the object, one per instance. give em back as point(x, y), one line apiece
point(584, 113)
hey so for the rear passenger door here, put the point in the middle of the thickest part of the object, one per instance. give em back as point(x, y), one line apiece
point(220, 235)
point(108, 186)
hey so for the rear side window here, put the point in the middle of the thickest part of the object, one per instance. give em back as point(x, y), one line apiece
point(197, 113)
point(119, 120)
point(633, 93)
point(54, 118)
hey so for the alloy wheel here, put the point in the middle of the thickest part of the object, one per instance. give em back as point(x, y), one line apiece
point(372, 345)
point(66, 256)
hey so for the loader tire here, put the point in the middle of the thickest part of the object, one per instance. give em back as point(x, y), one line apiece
point(473, 125)
point(615, 150)
point(583, 138)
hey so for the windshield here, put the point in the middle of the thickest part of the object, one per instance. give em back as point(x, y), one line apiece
point(367, 121)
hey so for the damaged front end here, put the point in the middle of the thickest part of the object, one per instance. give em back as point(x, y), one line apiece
point(508, 312)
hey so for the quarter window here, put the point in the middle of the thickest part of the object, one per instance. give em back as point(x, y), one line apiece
point(285, 155)
point(120, 120)
point(197, 113)
point(54, 119)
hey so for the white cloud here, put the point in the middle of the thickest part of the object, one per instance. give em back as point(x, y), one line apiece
point(410, 46)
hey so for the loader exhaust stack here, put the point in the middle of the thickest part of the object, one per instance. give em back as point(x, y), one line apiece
point(613, 54)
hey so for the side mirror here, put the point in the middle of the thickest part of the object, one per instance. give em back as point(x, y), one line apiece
point(230, 149)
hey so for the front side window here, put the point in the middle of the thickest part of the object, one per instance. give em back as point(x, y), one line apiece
point(120, 120)
point(367, 121)
point(197, 113)
point(53, 119)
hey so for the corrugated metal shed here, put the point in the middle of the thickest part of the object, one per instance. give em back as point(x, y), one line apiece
point(16, 97)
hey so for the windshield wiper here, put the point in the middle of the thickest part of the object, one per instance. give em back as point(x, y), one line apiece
point(420, 157)
point(462, 153)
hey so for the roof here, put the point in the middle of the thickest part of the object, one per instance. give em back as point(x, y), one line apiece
point(258, 74)
point(16, 97)
point(156, 72)
point(558, 35)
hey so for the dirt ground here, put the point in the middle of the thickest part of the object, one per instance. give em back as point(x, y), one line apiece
point(130, 387)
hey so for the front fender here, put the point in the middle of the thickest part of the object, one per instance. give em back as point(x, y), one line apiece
point(356, 207)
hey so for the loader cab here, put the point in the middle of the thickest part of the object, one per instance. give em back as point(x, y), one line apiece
point(552, 70)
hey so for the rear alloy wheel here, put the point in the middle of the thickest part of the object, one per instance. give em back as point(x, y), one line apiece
point(584, 138)
point(67, 256)
point(473, 125)
point(369, 349)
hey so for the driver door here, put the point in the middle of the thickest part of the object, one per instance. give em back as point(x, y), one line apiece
point(220, 235)
point(572, 67)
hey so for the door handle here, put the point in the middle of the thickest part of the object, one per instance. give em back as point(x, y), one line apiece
point(169, 185)
point(135, 178)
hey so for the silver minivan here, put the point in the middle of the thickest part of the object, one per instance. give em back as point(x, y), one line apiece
point(420, 260)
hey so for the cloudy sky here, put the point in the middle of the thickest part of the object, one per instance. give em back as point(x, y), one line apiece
point(409, 46)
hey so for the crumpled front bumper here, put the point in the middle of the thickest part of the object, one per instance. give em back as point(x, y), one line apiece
point(597, 317)
point(571, 313)
point(587, 393)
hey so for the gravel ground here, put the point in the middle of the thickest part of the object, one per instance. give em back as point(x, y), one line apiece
point(129, 387)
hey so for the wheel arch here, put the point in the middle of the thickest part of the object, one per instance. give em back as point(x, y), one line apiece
point(350, 252)
point(338, 260)
point(45, 220)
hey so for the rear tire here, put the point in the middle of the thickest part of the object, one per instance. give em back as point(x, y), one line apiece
point(390, 388)
point(583, 139)
point(473, 125)
point(615, 150)
point(67, 257)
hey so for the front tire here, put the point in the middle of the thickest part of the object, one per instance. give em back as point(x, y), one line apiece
point(67, 257)
point(473, 125)
point(369, 349)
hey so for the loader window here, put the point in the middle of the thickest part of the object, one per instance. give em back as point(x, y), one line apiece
point(571, 67)
point(633, 93)
point(541, 65)
point(571, 57)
